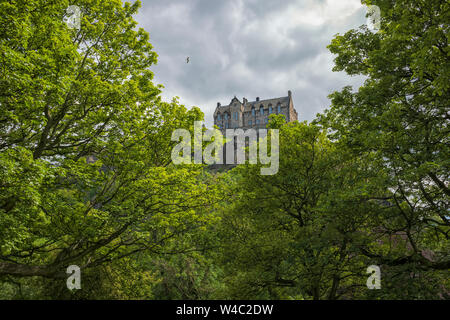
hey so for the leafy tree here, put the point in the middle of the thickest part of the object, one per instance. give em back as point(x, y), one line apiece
point(85, 143)
point(290, 235)
point(399, 118)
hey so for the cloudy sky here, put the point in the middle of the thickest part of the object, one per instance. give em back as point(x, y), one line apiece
point(249, 48)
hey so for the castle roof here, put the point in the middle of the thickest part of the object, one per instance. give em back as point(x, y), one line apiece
point(257, 104)
point(265, 103)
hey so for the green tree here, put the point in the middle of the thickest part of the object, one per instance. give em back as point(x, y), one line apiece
point(85, 143)
point(290, 235)
point(399, 118)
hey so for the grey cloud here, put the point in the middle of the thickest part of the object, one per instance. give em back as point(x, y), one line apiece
point(246, 48)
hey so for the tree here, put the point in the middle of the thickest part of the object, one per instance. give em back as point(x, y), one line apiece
point(291, 235)
point(85, 142)
point(400, 118)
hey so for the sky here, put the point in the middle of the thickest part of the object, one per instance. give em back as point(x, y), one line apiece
point(249, 48)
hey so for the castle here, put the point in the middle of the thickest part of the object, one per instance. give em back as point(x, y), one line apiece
point(253, 114)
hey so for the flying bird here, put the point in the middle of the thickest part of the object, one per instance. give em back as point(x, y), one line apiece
point(187, 60)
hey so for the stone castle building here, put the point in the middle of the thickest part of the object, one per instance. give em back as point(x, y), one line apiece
point(249, 115)
point(253, 114)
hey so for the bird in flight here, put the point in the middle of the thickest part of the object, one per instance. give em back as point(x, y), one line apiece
point(187, 60)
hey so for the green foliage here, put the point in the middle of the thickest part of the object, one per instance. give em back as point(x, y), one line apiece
point(367, 184)
point(400, 118)
point(86, 176)
point(282, 233)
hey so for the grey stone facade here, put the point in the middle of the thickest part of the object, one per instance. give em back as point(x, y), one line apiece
point(253, 114)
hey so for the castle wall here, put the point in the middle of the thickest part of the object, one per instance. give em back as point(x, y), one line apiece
point(240, 115)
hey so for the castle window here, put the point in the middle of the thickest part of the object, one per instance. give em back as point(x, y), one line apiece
point(261, 110)
point(218, 117)
point(225, 116)
point(270, 109)
point(253, 111)
point(266, 120)
point(249, 122)
point(279, 109)
point(236, 116)
point(257, 121)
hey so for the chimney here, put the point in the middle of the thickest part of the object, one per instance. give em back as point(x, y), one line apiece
point(289, 93)
point(218, 104)
point(257, 98)
point(244, 100)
